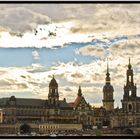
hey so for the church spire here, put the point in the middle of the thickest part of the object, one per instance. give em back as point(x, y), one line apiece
point(107, 68)
point(79, 91)
point(129, 65)
point(107, 74)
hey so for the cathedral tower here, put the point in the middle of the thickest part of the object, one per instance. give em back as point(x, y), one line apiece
point(129, 88)
point(108, 101)
point(129, 97)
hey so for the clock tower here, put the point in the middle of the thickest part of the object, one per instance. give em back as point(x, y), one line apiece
point(108, 101)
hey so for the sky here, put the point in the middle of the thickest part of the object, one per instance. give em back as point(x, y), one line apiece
point(71, 42)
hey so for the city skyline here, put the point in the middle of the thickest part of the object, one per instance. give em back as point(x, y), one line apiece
point(37, 41)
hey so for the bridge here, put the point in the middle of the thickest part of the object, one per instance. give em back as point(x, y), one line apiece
point(132, 130)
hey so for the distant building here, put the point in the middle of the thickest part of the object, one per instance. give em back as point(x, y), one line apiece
point(108, 101)
point(101, 117)
point(21, 111)
point(83, 109)
point(53, 114)
point(129, 114)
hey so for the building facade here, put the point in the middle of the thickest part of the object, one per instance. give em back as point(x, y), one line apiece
point(21, 111)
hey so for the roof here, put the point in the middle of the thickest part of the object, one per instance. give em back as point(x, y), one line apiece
point(32, 102)
point(108, 88)
point(77, 101)
point(71, 104)
point(24, 102)
point(53, 83)
point(63, 104)
point(3, 101)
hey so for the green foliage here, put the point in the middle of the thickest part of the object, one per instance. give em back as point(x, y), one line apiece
point(98, 132)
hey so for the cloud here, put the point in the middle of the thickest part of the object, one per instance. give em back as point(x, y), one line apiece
point(18, 18)
point(87, 92)
point(125, 48)
point(75, 73)
point(105, 20)
point(53, 35)
point(98, 22)
point(9, 84)
point(20, 79)
point(97, 18)
point(35, 54)
point(91, 50)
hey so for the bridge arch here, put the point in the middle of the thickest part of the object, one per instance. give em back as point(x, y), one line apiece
point(25, 129)
point(128, 131)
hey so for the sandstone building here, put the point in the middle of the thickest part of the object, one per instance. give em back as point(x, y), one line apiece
point(52, 114)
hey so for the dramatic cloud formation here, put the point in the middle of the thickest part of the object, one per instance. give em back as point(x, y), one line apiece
point(85, 34)
point(18, 18)
point(98, 22)
point(50, 36)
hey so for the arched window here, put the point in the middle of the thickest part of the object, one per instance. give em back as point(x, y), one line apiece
point(130, 108)
point(53, 90)
point(129, 78)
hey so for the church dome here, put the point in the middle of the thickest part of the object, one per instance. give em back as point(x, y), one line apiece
point(53, 83)
point(108, 88)
point(12, 98)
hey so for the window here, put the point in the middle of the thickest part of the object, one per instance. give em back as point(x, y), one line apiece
point(130, 123)
point(130, 108)
point(129, 78)
point(130, 92)
point(53, 90)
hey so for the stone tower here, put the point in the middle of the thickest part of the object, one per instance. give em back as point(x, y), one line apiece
point(129, 97)
point(53, 95)
point(108, 101)
point(129, 88)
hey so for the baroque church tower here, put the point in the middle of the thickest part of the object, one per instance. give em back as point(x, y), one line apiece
point(53, 95)
point(108, 101)
point(129, 97)
point(129, 88)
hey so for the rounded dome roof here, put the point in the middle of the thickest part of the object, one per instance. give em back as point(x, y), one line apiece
point(108, 88)
point(12, 98)
point(53, 83)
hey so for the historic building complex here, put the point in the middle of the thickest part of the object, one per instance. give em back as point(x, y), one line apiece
point(53, 114)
